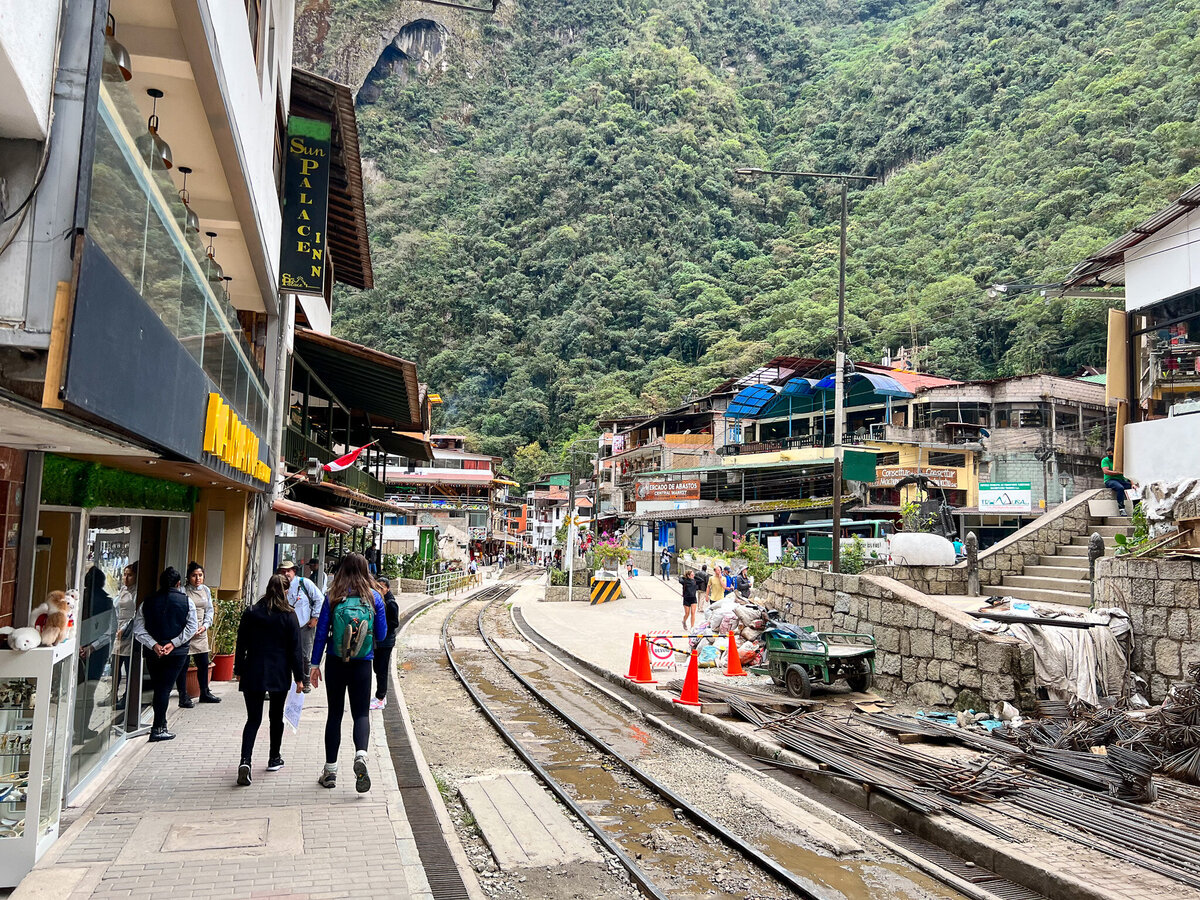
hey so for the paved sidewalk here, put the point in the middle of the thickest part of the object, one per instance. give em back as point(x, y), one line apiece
point(170, 822)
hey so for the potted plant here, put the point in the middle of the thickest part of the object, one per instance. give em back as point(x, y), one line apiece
point(193, 680)
point(222, 637)
point(610, 552)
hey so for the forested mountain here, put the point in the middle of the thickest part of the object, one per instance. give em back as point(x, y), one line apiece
point(558, 231)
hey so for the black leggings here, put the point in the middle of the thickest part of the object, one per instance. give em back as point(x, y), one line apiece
point(201, 676)
point(254, 708)
point(164, 670)
point(352, 677)
point(383, 658)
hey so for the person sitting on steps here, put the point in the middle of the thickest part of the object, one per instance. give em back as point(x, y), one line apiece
point(1114, 480)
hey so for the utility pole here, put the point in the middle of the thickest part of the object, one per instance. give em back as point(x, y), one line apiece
point(571, 539)
point(839, 393)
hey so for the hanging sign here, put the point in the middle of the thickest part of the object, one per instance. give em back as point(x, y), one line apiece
point(1006, 497)
point(305, 206)
point(688, 489)
point(889, 476)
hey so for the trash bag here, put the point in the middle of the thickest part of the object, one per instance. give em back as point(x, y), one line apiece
point(709, 655)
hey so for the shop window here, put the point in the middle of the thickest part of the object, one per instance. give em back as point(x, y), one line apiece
point(254, 19)
point(887, 459)
point(948, 460)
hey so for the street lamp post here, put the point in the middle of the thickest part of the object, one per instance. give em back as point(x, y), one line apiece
point(839, 383)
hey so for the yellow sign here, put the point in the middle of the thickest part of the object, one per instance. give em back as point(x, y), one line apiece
point(230, 440)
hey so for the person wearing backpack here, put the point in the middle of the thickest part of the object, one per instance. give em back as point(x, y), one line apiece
point(306, 599)
point(384, 647)
point(352, 620)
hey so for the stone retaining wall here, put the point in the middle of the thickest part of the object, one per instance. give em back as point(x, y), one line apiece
point(1010, 556)
point(926, 652)
point(1162, 598)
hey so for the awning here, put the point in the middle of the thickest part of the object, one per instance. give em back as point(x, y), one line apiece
point(371, 383)
point(352, 496)
point(321, 519)
point(506, 481)
point(314, 97)
point(732, 509)
point(883, 385)
point(443, 476)
point(750, 401)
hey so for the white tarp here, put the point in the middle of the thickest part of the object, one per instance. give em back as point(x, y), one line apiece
point(1078, 662)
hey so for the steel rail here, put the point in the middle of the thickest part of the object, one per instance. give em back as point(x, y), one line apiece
point(802, 886)
point(640, 878)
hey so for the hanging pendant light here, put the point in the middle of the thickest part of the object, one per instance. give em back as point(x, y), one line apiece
point(121, 67)
point(191, 221)
point(226, 279)
point(162, 150)
point(215, 272)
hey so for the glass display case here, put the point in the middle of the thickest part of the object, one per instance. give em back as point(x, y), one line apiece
point(34, 717)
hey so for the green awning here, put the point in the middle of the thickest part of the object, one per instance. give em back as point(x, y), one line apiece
point(369, 382)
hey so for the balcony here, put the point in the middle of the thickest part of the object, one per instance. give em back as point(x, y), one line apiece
point(137, 220)
point(298, 449)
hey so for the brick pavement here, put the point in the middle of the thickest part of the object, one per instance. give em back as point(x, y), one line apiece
point(237, 842)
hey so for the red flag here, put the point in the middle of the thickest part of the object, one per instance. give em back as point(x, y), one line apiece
point(345, 462)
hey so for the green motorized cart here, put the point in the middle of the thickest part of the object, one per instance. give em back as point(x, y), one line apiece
point(797, 657)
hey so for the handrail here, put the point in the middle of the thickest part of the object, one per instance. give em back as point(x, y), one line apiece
point(451, 582)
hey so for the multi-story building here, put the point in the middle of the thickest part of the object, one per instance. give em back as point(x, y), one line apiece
point(1153, 377)
point(457, 492)
point(155, 256)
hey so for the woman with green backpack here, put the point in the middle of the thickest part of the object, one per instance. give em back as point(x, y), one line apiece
point(352, 620)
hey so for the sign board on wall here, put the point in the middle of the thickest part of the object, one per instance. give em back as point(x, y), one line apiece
point(890, 476)
point(688, 489)
point(1006, 497)
point(774, 548)
point(307, 165)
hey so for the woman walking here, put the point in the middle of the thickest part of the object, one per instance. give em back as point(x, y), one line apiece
point(268, 663)
point(201, 597)
point(352, 620)
point(384, 647)
point(164, 624)
point(689, 598)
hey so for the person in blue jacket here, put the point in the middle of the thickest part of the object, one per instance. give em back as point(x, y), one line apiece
point(347, 677)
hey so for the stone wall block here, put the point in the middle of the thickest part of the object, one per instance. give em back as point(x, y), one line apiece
point(887, 638)
point(943, 648)
point(1166, 658)
point(994, 657)
point(926, 619)
point(921, 643)
point(1178, 627)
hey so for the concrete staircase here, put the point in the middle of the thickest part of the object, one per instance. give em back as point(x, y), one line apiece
point(1063, 577)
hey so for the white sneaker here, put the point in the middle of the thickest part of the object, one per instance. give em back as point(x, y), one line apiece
point(378, 704)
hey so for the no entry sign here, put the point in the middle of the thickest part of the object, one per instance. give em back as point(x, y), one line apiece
point(662, 650)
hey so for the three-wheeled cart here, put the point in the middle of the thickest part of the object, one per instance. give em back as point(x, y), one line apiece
point(796, 657)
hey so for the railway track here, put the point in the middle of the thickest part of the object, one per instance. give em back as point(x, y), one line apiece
point(625, 802)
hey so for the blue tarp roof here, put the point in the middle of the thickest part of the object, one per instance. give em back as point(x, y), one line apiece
point(749, 401)
point(798, 387)
point(883, 385)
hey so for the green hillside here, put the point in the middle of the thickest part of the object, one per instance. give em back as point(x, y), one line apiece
point(558, 231)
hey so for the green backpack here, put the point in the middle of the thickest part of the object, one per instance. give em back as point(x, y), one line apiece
point(352, 629)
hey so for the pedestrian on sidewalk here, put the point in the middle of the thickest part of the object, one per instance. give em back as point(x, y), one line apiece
point(727, 582)
point(664, 564)
point(201, 598)
point(350, 623)
point(312, 570)
point(164, 624)
point(384, 646)
point(702, 587)
point(689, 599)
point(267, 661)
point(306, 599)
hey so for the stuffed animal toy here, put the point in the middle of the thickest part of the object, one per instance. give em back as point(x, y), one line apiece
point(57, 610)
point(21, 639)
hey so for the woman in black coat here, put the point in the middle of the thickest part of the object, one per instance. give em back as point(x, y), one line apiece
point(268, 663)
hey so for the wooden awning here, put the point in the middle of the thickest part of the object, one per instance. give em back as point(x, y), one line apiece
point(306, 516)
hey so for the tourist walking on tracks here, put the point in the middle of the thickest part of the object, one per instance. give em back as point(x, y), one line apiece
point(164, 624)
point(351, 622)
point(201, 598)
point(268, 662)
point(689, 599)
point(306, 599)
point(384, 646)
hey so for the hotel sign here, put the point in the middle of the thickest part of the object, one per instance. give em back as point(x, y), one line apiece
point(230, 440)
point(890, 476)
point(305, 206)
point(688, 489)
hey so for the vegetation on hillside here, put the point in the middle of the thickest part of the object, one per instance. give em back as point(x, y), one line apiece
point(558, 233)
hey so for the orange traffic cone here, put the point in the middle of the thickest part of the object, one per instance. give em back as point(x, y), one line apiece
point(733, 663)
point(643, 671)
point(690, 695)
point(633, 657)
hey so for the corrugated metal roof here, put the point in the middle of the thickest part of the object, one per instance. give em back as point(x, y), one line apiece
point(1107, 265)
